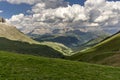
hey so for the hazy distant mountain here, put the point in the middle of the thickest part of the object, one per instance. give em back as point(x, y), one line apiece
point(11, 33)
point(74, 39)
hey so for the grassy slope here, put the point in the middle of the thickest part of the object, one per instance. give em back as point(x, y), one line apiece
point(59, 47)
point(25, 67)
point(106, 52)
point(34, 49)
point(10, 32)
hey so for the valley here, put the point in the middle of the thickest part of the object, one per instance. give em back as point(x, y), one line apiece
point(23, 58)
point(59, 40)
point(76, 40)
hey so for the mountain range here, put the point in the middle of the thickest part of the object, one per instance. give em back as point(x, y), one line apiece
point(13, 40)
point(22, 58)
point(76, 39)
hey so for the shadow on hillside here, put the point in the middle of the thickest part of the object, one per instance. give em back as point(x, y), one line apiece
point(23, 47)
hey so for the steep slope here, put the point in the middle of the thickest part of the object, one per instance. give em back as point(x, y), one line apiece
point(10, 32)
point(34, 49)
point(25, 67)
point(59, 47)
point(107, 52)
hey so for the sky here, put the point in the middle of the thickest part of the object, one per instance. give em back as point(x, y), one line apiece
point(47, 15)
point(13, 9)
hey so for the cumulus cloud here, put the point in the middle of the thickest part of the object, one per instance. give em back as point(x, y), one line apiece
point(21, 1)
point(48, 16)
point(1, 11)
point(48, 3)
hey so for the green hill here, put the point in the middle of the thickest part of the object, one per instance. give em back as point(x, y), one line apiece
point(24, 47)
point(25, 67)
point(10, 32)
point(59, 47)
point(107, 52)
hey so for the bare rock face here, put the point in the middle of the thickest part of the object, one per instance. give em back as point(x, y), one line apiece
point(2, 20)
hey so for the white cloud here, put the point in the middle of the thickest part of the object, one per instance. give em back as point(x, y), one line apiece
point(1, 11)
point(22, 1)
point(47, 16)
point(48, 3)
point(17, 17)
